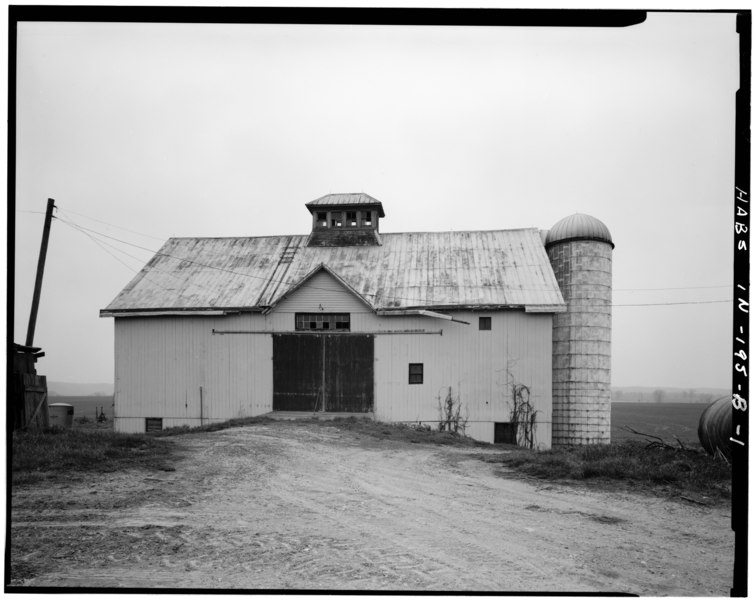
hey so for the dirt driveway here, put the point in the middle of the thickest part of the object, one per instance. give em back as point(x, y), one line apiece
point(306, 506)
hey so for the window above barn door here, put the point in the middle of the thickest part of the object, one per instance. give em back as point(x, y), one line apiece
point(322, 322)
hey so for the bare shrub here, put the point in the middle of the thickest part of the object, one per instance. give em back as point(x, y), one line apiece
point(523, 415)
point(450, 418)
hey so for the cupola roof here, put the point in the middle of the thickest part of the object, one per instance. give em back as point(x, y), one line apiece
point(346, 200)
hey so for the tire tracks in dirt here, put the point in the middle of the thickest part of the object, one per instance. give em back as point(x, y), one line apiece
point(306, 506)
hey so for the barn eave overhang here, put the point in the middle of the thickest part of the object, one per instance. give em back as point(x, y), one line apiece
point(180, 312)
point(530, 308)
point(420, 313)
point(546, 308)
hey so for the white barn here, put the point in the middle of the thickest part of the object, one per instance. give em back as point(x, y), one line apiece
point(351, 320)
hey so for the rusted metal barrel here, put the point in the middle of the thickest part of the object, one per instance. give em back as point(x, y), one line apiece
point(715, 428)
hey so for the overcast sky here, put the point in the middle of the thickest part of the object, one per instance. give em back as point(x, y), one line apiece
point(146, 131)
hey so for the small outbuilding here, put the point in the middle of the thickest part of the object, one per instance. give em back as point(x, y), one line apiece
point(398, 326)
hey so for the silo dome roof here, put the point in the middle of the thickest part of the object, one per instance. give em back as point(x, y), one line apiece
point(579, 227)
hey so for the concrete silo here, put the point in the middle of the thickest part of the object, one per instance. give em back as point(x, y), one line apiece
point(580, 250)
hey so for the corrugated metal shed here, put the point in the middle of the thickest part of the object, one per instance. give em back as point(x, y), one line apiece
point(449, 270)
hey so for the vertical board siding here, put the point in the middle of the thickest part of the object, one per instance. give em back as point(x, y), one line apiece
point(322, 293)
point(473, 363)
point(162, 362)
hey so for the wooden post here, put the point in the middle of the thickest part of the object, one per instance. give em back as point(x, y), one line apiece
point(40, 272)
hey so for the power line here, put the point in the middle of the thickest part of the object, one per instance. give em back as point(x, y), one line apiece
point(690, 287)
point(117, 249)
point(111, 224)
point(102, 245)
point(673, 303)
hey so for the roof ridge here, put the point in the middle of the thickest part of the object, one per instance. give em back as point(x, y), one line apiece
point(383, 233)
point(237, 237)
point(465, 231)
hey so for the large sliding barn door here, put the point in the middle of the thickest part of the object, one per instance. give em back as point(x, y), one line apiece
point(297, 372)
point(348, 373)
point(332, 373)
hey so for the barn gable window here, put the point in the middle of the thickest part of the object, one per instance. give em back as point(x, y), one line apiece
point(484, 323)
point(322, 322)
point(416, 372)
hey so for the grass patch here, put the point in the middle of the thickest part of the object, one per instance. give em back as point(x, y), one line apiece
point(58, 452)
point(242, 422)
point(630, 464)
point(401, 432)
point(395, 431)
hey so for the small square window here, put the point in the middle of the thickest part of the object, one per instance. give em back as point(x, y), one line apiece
point(151, 425)
point(416, 373)
point(484, 323)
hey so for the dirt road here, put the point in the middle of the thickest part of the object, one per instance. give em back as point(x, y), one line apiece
point(284, 506)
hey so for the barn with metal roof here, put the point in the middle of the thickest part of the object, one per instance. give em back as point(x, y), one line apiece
point(346, 320)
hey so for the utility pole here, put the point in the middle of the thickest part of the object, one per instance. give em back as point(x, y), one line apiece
point(40, 272)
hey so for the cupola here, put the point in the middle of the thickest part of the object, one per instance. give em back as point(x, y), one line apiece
point(345, 220)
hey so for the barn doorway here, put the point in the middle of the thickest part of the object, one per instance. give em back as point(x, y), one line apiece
point(505, 433)
point(327, 373)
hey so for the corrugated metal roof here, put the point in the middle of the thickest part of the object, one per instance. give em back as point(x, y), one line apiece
point(579, 227)
point(409, 270)
point(347, 200)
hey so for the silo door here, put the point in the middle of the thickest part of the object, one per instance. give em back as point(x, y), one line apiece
point(327, 373)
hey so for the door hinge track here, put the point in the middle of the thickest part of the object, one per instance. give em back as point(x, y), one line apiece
point(397, 332)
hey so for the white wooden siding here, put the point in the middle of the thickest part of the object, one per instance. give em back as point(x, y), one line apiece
point(161, 363)
point(473, 363)
point(322, 293)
